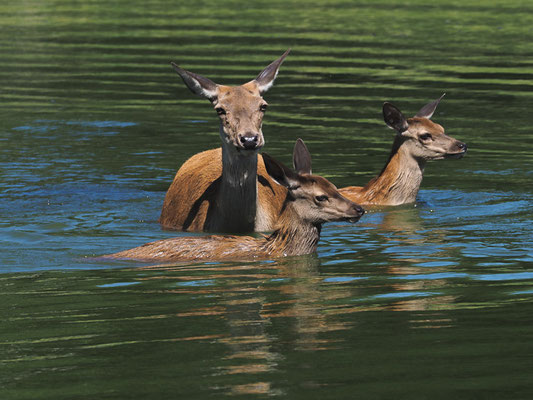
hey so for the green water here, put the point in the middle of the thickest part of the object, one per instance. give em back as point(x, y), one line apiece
point(432, 301)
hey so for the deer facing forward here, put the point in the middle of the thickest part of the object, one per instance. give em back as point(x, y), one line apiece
point(418, 140)
point(227, 189)
point(311, 200)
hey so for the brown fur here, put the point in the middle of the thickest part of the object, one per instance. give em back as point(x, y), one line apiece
point(283, 242)
point(198, 181)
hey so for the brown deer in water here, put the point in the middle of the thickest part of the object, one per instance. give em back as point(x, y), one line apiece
point(311, 200)
point(418, 140)
point(227, 189)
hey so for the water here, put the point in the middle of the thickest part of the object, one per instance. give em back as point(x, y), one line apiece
point(425, 301)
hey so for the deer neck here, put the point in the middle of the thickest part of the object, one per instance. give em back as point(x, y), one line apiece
point(400, 179)
point(237, 197)
point(293, 236)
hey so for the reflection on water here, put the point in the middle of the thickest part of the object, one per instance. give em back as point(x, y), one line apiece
point(240, 326)
point(251, 300)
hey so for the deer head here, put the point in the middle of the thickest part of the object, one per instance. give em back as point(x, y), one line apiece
point(424, 139)
point(240, 108)
point(314, 198)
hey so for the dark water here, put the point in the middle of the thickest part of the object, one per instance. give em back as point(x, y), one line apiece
point(427, 301)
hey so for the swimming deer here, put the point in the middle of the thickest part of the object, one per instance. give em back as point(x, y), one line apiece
point(418, 140)
point(217, 190)
point(311, 200)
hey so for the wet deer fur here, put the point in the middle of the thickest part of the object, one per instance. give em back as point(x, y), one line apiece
point(227, 189)
point(311, 200)
point(417, 141)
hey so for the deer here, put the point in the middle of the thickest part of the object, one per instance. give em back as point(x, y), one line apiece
point(417, 141)
point(310, 201)
point(227, 189)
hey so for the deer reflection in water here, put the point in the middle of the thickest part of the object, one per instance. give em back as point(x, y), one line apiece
point(251, 301)
point(413, 243)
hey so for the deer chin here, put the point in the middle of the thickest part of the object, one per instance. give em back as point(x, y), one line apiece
point(353, 220)
point(455, 155)
point(246, 152)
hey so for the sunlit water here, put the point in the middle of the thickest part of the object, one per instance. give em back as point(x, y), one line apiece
point(432, 300)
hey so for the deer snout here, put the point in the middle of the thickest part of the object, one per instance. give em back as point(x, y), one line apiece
point(357, 212)
point(458, 150)
point(250, 141)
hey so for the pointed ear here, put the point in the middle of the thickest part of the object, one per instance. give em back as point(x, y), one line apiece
point(265, 79)
point(301, 158)
point(197, 83)
point(279, 172)
point(394, 118)
point(428, 110)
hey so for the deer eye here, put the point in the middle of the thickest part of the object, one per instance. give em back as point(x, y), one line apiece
point(425, 136)
point(263, 107)
point(321, 198)
point(220, 111)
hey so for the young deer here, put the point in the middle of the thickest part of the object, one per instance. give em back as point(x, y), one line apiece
point(418, 140)
point(217, 190)
point(310, 201)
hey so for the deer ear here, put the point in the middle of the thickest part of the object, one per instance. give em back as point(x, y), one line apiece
point(197, 84)
point(279, 172)
point(428, 110)
point(266, 78)
point(394, 118)
point(301, 158)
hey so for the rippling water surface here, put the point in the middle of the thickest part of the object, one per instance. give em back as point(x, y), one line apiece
point(432, 300)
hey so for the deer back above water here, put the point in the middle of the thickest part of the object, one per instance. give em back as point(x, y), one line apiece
point(311, 201)
point(217, 190)
point(417, 141)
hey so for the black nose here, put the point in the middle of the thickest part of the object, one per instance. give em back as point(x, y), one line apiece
point(360, 210)
point(249, 142)
point(462, 146)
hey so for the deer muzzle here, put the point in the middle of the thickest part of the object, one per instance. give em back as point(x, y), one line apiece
point(459, 148)
point(357, 212)
point(250, 141)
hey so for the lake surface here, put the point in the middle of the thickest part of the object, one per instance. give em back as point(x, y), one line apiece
point(425, 301)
